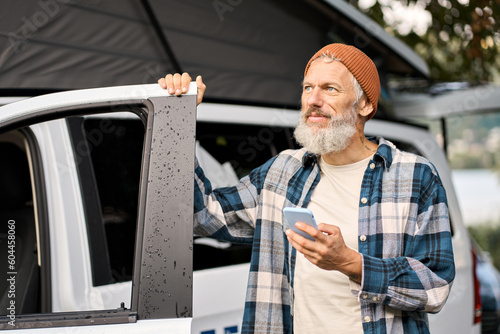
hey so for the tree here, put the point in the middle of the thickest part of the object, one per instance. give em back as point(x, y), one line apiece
point(462, 42)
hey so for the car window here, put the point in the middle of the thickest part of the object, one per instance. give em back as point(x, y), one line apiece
point(109, 153)
point(26, 284)
point(20, 270)
point(244, 146)
point(237, 149)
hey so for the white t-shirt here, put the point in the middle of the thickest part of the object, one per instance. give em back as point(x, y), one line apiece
point(323, 302)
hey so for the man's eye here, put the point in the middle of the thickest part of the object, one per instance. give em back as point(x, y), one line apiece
point(331, 89)
point(307, 88)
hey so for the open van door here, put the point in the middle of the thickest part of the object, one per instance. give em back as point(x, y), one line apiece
point(448, 100)
point(56, 249)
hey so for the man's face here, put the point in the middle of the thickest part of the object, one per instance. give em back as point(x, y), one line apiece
point(327, 91)
point(329, 109)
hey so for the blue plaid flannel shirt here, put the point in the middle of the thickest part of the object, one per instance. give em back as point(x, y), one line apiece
point(404, 237)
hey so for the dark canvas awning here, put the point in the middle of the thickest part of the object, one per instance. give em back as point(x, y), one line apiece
point(247, 51)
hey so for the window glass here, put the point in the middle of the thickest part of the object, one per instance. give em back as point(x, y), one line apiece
point(19, 269)
point(241, 148)
point(109, 155)
point(244, 146)
point(117, 167)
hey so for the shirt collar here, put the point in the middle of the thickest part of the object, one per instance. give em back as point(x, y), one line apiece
point(309, 159)
point(384, 151)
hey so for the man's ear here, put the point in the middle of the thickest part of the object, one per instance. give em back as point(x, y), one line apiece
point(365, 108)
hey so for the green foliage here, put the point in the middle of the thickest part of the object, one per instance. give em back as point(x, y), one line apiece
point(463, 41)
point(487, 236)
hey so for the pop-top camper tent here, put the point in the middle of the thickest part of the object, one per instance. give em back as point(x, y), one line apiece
point(249, 52)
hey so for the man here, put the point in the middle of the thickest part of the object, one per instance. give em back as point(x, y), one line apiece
point(383, 258)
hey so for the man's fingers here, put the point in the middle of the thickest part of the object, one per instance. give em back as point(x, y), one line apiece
point(178, 84)
point(170, 83)
point(301, 244)
point(291, 239)
point(313, 232)
point(167, 83)
point(162, 83)
point(328, 229)
point(201, 89)
point(185, 80)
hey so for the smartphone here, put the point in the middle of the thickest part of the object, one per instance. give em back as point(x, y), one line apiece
point(293, 215)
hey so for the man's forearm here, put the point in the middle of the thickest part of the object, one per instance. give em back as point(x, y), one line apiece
point(353, 269)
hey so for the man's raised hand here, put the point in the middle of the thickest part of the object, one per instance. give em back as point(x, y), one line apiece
point(178, 84)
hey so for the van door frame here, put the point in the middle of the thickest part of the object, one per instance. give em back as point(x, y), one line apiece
point(162, 283)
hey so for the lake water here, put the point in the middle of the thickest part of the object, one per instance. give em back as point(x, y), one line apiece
point(478, 192)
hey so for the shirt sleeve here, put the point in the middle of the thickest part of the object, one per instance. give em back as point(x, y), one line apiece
point(421, 279)
point(227, 213)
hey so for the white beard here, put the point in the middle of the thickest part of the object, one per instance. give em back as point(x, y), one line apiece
point(333, 138)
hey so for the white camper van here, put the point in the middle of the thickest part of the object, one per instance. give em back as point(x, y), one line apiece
point(99, 208)
point(96, 185)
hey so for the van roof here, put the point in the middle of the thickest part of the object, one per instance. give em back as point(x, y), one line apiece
point(459, 99)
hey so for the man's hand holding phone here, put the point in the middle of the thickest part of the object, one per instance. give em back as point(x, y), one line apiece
point(323, 245)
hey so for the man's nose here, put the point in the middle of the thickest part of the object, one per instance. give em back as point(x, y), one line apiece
point(315, 99)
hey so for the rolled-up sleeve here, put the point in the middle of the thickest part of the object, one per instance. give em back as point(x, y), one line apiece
point(227, 213)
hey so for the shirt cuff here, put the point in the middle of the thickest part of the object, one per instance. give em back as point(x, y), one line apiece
point(355, 287)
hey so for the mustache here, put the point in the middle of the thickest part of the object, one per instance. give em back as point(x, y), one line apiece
point(316, 112)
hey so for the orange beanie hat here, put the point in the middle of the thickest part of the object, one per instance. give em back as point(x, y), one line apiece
point(359, 64)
